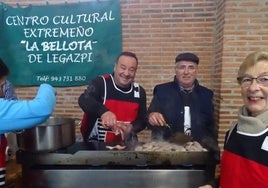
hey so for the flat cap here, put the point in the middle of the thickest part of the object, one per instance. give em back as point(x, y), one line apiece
point(187, 57)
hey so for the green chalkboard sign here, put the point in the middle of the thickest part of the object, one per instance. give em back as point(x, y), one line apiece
point(63, 45)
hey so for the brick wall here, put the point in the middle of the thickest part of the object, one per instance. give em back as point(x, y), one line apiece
point(220, 32)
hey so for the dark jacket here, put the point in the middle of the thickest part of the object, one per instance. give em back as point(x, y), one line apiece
point(169, 100)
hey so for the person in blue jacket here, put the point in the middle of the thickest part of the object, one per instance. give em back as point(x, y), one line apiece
point(184, 106)
point(6, 92)
point(22, 114)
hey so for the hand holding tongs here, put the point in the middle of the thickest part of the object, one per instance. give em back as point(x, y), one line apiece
point(157, 119)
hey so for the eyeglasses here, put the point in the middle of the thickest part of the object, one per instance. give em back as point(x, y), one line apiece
point(247, 81)
point(184, 68)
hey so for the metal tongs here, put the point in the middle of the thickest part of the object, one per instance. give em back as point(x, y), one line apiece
point(167, 125)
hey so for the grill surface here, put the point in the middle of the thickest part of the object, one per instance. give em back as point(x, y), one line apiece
point(97, 154)
point(91, 164)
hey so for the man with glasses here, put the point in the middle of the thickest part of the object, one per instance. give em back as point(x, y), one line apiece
point(184, 106)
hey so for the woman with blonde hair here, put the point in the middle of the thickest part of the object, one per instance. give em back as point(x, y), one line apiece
point(245, 157)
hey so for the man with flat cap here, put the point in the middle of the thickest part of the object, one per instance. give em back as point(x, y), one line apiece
point(186, 107)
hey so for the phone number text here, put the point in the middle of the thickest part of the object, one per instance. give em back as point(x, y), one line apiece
point(60, 78)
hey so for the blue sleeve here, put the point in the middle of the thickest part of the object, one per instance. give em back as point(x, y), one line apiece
point(23, 114)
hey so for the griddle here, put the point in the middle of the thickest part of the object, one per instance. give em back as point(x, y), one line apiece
point(92, 165)
point(97, 154)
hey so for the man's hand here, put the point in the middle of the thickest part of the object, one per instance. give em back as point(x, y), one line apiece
point(156, 119)
point(108, 120)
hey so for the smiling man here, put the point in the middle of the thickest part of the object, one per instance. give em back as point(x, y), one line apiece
point(184, 106)
point(114, 105)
